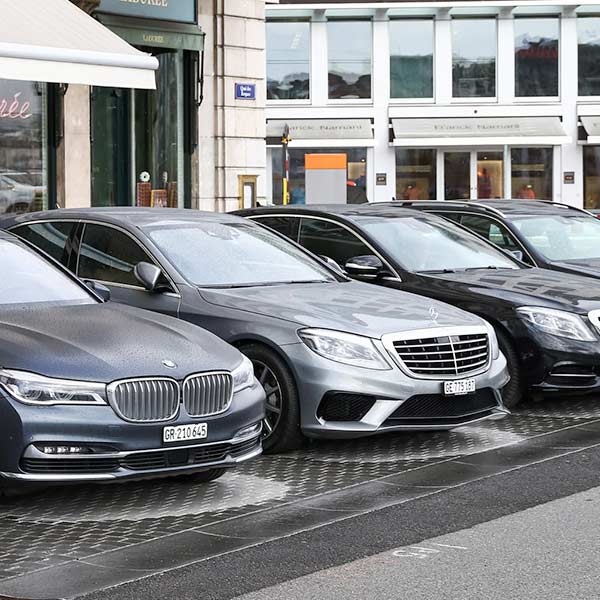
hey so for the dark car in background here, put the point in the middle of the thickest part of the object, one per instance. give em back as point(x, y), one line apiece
point(336, 358)
point(546, 322)
point(94, 391)
point(542, 234)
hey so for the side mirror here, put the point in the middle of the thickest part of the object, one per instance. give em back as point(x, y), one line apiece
point(364, 267)
point(148, 275)
point(332, 264)
point(517, 254)
point(100, 290)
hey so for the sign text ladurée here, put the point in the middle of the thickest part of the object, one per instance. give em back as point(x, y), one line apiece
point(169, 10)
point(14, 108)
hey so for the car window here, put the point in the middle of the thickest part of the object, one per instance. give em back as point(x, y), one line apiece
point(107, 254)
point(491, 230)
point(287, 226)
point(234, 254)
point(561, 237)
point(27, 278)
point(52, 238)
point(330, 239)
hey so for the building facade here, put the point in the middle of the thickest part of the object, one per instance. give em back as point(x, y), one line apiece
point(196, 141)
point(436, 100)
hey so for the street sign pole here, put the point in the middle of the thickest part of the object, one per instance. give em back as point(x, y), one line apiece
point(285, 140)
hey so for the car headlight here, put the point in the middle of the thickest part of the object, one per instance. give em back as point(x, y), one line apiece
point(243, 376)
point(30, 388)
point(558, 322)
point(347, 348)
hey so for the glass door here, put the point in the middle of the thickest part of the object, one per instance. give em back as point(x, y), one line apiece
point(490, 174)
point(457, 175)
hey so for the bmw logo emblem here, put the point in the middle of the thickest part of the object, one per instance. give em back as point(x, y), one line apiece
point(169, 364)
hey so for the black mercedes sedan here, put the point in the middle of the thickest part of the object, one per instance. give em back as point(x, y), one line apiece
point(96, 391)
point(540, 233)
point(547, 322)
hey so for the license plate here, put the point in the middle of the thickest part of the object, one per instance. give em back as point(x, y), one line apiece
point(184, 433)
point(459, 388)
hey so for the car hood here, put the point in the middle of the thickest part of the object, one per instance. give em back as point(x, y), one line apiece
point(530, 287)
point(590, 267)
point(345, 306)
point(106, 342)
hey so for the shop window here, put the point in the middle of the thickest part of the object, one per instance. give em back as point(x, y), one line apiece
point(411, 59)
point(591, 176)
point(474, 58)
point(109, 255)
point(24, 149)
point(349, 51)
point(415, 174)
point(356, 177)
point(531, 173)
point(288, 61)
point(536, 57)
point(588, 34)
point(325, 238)
point(52, 238)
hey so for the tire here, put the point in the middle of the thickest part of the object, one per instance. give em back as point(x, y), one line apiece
point(281, 427)
point(513, 391)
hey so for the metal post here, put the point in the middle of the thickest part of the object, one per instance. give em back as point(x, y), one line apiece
point(285, 140)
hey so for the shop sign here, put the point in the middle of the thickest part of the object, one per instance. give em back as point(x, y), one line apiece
point(569, 176)
point(381, 179)
point(15, 108)
point(321, 129)
point(182, 11)
point(245, 91)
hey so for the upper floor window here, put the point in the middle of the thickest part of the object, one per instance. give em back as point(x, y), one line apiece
point(474, 58)
point(588, 33)
point(411, 59)
point(288, 60)
point(536, 57)
point(349, 53)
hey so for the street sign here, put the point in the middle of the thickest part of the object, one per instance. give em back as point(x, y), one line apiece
point(245, 91)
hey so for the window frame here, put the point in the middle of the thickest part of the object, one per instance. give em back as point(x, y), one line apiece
point(541, 99)
point(580, 97)
point(152, 259)
point(299, 101)
point(345, 101)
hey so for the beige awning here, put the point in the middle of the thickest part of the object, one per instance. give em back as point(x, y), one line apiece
point(592, 128)
point(479, 131)
point(321, 129)
point(54, 41)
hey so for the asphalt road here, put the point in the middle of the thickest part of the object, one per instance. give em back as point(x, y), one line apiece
point(550, 551)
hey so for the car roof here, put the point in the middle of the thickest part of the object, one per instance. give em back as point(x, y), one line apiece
point(343, 211)
point(128, 216)
point(504, 208)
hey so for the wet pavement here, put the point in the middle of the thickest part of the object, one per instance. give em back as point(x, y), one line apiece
point(75, 540)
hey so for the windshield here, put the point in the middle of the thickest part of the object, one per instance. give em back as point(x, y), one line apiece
point(28, 279)
point(234, 254)
point(560, 237)
point(422, 244)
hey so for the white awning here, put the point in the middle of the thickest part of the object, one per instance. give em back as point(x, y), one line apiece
point(592, 128)
point(54, 41)
point(321, 129)
point(479, 131)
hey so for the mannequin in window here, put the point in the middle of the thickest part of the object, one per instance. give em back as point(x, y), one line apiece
point(485, 184)
point(526, 192)
point(411, 192)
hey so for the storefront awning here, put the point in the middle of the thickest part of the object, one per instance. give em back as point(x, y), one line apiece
point(54, 41)
point(592, 128)
point(330, 132)
point(479, 131)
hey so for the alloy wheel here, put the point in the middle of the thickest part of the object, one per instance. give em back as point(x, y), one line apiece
point(274, 400)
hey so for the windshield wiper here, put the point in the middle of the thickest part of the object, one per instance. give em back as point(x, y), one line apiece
point(434, 271)
point(488, 268)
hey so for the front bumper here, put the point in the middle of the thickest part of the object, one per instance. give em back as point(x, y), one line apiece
point(558, 365)
point(122, 450)
point(387, 392)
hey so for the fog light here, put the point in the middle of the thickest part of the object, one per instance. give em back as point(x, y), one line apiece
point(251, 431)
point(65, 449)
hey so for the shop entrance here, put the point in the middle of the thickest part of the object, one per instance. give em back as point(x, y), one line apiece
point(473, 174)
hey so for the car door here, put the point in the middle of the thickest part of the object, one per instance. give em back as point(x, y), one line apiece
point(108, 255)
